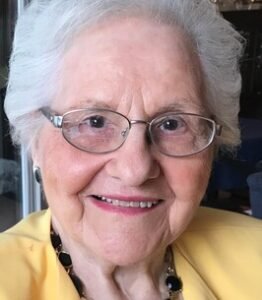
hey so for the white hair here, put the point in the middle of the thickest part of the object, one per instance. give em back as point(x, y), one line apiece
point(46, 27)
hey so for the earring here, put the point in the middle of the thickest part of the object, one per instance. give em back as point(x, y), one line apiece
point(37, 174)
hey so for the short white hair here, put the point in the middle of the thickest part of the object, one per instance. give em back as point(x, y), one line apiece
point(46, 27)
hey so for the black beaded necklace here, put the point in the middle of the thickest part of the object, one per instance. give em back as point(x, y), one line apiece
point(173, 283)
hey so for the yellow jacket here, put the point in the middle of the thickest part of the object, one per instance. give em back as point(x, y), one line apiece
point(218, 257)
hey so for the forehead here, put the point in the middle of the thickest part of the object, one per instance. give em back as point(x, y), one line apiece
point(132, 61)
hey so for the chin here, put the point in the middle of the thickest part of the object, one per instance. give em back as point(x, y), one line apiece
point(126, 255)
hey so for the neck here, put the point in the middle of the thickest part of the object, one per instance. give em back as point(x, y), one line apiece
point(145, 279)
point(142, 280)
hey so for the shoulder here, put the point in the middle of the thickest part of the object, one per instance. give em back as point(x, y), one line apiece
point(224, 231)
point(30, 232)
point(207, 219)
point(29, 265)
point(24, 252)
point(33, 230)
point(225, 250)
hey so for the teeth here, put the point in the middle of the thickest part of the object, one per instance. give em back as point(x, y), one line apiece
point(105, 199)
point(132, 204)
point(115, 202)
point(124, 203)
point(143, 204)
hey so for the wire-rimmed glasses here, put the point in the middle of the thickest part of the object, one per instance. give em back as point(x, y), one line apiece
point(95, 130)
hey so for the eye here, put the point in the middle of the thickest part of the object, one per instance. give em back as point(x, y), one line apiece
point(95, 121)
point(172, 123)
point(92, 123)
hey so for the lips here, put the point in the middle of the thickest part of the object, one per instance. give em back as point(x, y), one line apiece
point(127, 204)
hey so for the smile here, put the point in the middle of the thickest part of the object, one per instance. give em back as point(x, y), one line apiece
point(127, 204)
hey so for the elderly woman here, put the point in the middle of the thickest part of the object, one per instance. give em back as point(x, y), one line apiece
point(122, 105)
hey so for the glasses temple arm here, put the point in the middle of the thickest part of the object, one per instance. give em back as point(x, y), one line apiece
point(56, 120)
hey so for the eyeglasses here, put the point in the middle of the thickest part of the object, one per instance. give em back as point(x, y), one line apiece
point(102, 131)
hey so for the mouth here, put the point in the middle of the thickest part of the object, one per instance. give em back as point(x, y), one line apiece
point(128, 204)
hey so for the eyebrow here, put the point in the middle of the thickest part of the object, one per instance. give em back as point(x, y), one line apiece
point(94, 103)
point(182, 105)
point(176, 105)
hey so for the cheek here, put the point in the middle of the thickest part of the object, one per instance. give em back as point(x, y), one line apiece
point(65, 170)
point(190, 176)
point(187, 179)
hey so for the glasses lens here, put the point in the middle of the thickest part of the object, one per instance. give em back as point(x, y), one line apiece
point(182, 134)
point(97, 131)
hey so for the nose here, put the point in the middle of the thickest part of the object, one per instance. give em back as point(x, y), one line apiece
point(134, 163)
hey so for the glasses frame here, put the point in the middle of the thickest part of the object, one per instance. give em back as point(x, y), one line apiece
point(57, 121)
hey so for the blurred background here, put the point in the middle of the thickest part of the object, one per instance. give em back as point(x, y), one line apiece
point(19, 193)
point(236, 181)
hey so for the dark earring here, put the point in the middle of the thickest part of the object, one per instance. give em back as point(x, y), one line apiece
point(37, 174)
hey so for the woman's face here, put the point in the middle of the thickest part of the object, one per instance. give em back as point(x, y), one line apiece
point(140, 69)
